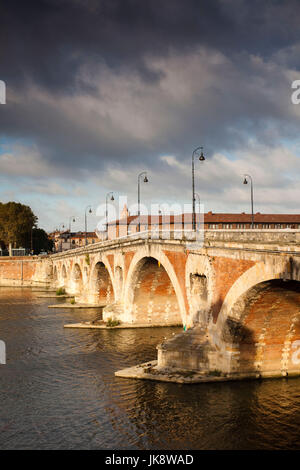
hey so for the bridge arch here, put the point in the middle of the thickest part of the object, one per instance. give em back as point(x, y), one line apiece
point(259, 323)
point(152, 291)
point(260, 272)
point(101, 284)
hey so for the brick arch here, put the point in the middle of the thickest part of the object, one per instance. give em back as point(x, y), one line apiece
point(263, 329)
point(148, 275)
point(101, 283)
point(103, 259)
point(260, 272)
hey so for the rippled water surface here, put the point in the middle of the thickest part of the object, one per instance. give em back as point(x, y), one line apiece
point(58, 390)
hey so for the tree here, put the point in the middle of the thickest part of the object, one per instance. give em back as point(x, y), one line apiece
point(41, 241)
point(16, 224)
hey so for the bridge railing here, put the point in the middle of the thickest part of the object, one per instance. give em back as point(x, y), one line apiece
point(227, 235)
point(209, 237)
point(162, 235)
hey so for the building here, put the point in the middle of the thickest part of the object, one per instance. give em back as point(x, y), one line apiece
point(66, 241)
point(211, 221)
point(129, 224)
point(78, 239)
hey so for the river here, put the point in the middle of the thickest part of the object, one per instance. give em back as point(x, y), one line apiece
point(58, 391)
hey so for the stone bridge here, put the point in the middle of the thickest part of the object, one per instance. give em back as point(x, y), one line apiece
point(237, 296)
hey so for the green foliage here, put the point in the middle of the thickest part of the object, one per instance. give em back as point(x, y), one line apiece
point(41, 241)
point(16, 222)
point(72, 301)
point(60, 291)
point(112, 322)
point(87, 259)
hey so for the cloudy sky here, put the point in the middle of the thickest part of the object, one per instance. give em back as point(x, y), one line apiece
point(101, 90)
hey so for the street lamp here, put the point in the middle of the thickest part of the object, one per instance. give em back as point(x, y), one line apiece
point(106, 211)
point(71, 219)
point(199, 208)
point(85, 221)
point(201, 158)
point(139, 194)
point(251, 182)
point(59, 229)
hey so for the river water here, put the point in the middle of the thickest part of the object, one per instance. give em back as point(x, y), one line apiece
point(58, 391)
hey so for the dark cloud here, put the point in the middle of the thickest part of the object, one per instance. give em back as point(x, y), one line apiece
point(48, 40)
point(124, 81)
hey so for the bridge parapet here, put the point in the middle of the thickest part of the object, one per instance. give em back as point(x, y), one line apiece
point(260, 236)
point(264, 240)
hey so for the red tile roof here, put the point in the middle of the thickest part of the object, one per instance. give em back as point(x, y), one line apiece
point(210, 218)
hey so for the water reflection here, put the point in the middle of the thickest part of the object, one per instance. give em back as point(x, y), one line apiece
point(58, 390)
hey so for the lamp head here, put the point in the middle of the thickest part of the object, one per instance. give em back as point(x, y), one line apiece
point(245, 181)
point(112, 198)
point(201, 158)
point(146, 179)
point(90, 211)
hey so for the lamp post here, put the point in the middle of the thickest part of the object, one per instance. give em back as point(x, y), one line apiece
point(201, 158)
point(85, 221)
point(71, 219)
point(144, 173)
point(251, 183)
point(106, 211)
point(59, 229)
point(198, 197)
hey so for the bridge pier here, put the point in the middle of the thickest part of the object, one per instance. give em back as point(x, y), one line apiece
point(115, 311)
point(190, 351)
